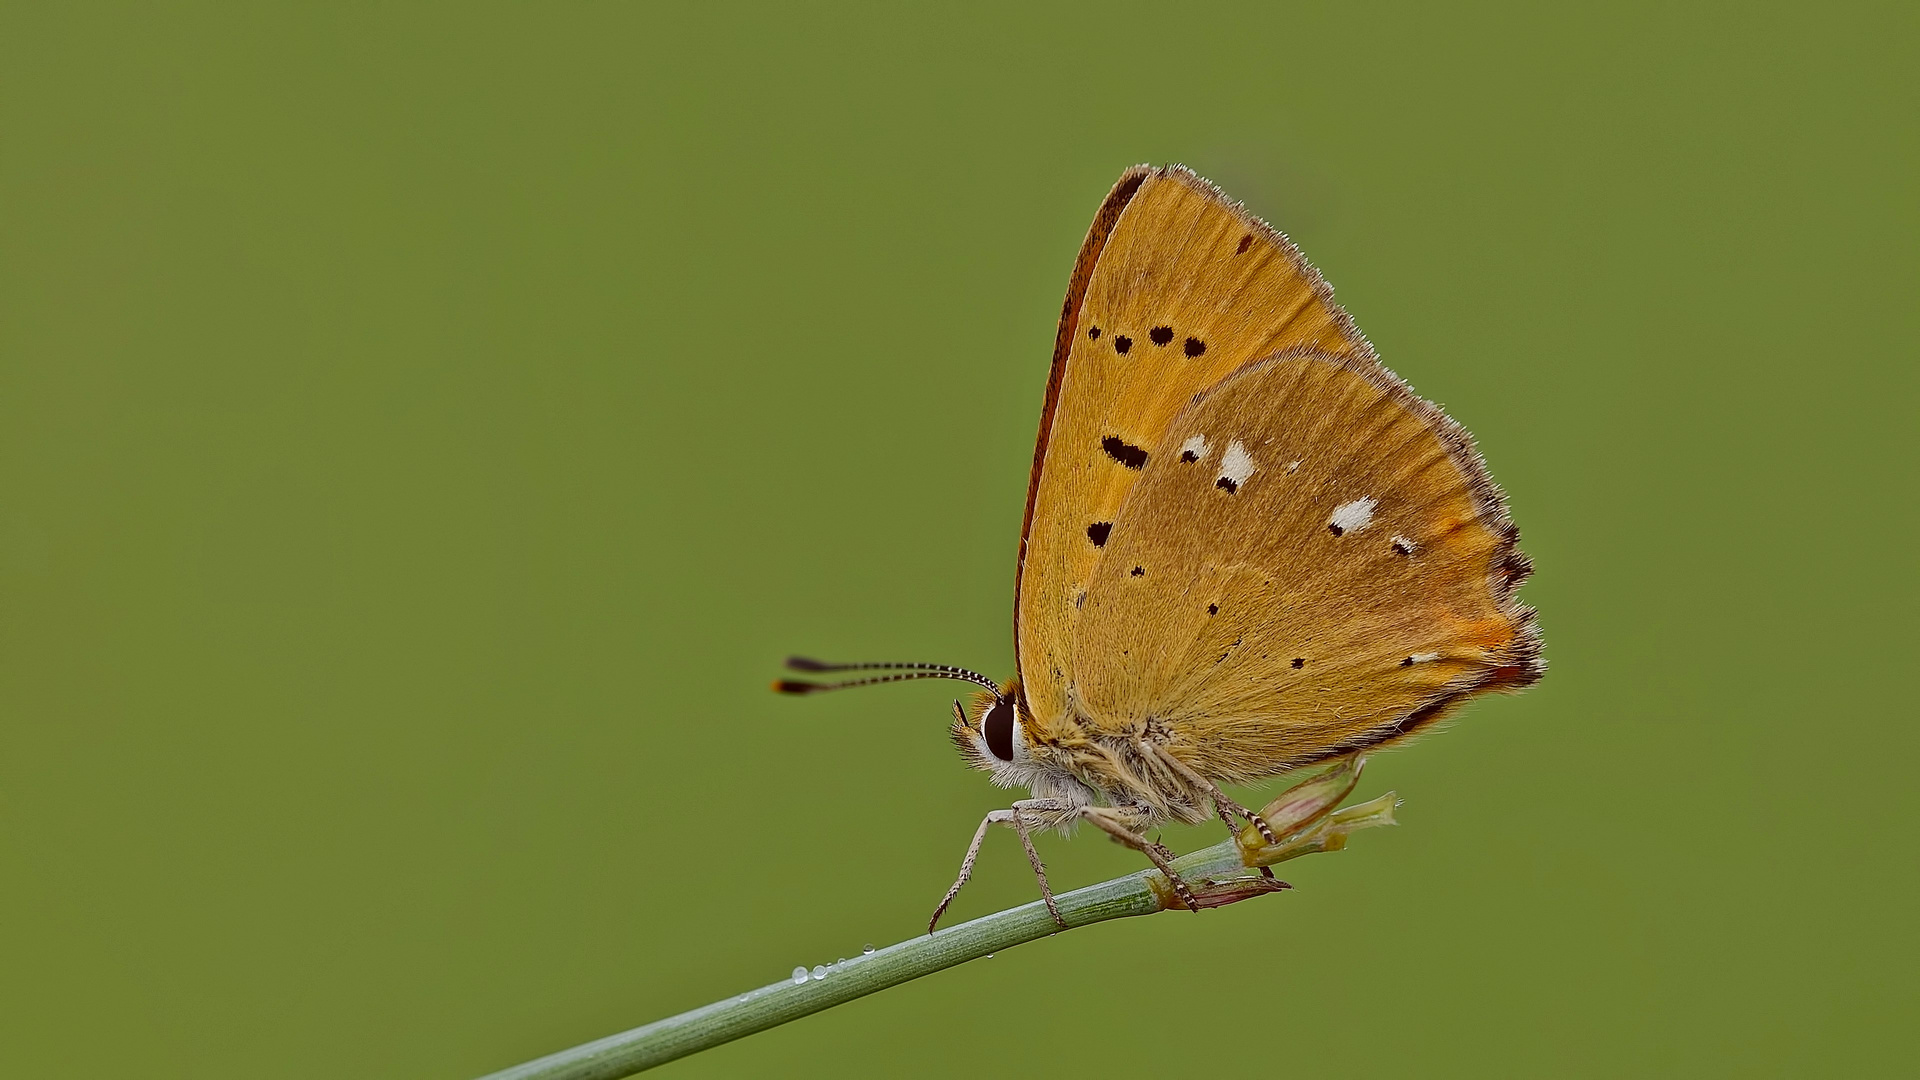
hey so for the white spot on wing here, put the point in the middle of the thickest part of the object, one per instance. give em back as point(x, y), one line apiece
point(1424, 657)
point(1292, 466)
point(1403, 545)
point(1236, 464)
point(1353, 516)
point(1197, 446)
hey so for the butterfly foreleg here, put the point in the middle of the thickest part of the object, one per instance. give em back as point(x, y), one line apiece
point(1019, 816)
point(966, 867)
point(1116, 822)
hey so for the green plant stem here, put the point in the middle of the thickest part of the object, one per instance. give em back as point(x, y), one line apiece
point(1302, 821)
point(723, 1021)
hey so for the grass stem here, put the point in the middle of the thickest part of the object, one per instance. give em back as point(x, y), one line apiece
point(1218, 874)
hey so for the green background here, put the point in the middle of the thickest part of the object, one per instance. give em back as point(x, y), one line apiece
point(424, 430)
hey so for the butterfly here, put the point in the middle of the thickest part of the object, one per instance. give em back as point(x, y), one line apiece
point(1248, 546)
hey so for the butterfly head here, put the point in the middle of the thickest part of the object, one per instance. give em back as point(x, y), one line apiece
point(994, 732)
point(991, 732)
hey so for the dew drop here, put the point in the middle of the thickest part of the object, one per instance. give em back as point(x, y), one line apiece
point(799, 975)
point(867, 949)
point(989, 956)
point(840, 961)
point(819, 972)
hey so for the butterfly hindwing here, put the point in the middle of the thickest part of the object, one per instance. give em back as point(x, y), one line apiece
point(1324, 567)
point(1175, 288)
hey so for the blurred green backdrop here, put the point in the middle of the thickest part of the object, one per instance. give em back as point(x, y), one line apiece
point(425, 429)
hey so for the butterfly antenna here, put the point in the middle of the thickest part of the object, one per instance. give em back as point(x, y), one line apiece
point(901, 673)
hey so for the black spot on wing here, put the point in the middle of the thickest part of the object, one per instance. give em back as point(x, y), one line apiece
point(1194, 347)
point(1161, 334)
point(1401, 547)
point(1213, 609)
point(1139, 571)
point(1122, 343)
point(1335, 529)
point(1093, 332)
point(1189, 457)
point(1227, 484)
point(1245, 243)
point(1299, 661)
point(1124, 452)
point(1098, 532)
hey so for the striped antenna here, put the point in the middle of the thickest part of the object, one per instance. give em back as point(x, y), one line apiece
point(902, 673)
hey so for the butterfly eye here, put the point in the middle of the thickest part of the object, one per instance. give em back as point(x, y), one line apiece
point(997, 726)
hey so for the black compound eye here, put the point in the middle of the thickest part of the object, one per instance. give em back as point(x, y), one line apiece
point(998, 728)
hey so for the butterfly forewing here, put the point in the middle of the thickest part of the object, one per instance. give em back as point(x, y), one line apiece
point(1325, 570)
point(1176, 288)
point(1242, 531)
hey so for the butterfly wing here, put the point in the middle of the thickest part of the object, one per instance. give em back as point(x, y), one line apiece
point(1175, 288)
point(1325, 566)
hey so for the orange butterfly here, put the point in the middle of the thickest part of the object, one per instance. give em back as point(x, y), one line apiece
point(1248, 546)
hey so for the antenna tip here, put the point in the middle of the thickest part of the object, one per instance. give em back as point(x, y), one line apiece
point(802, 663)
point(795, 686)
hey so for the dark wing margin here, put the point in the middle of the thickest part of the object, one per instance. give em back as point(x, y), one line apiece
point(1090, 249)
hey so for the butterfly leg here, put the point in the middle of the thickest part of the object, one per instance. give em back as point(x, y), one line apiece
point(966, 868)
point(1039, 868)
point(1114, 823)
point(1011, 816)
point(1222, 805)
